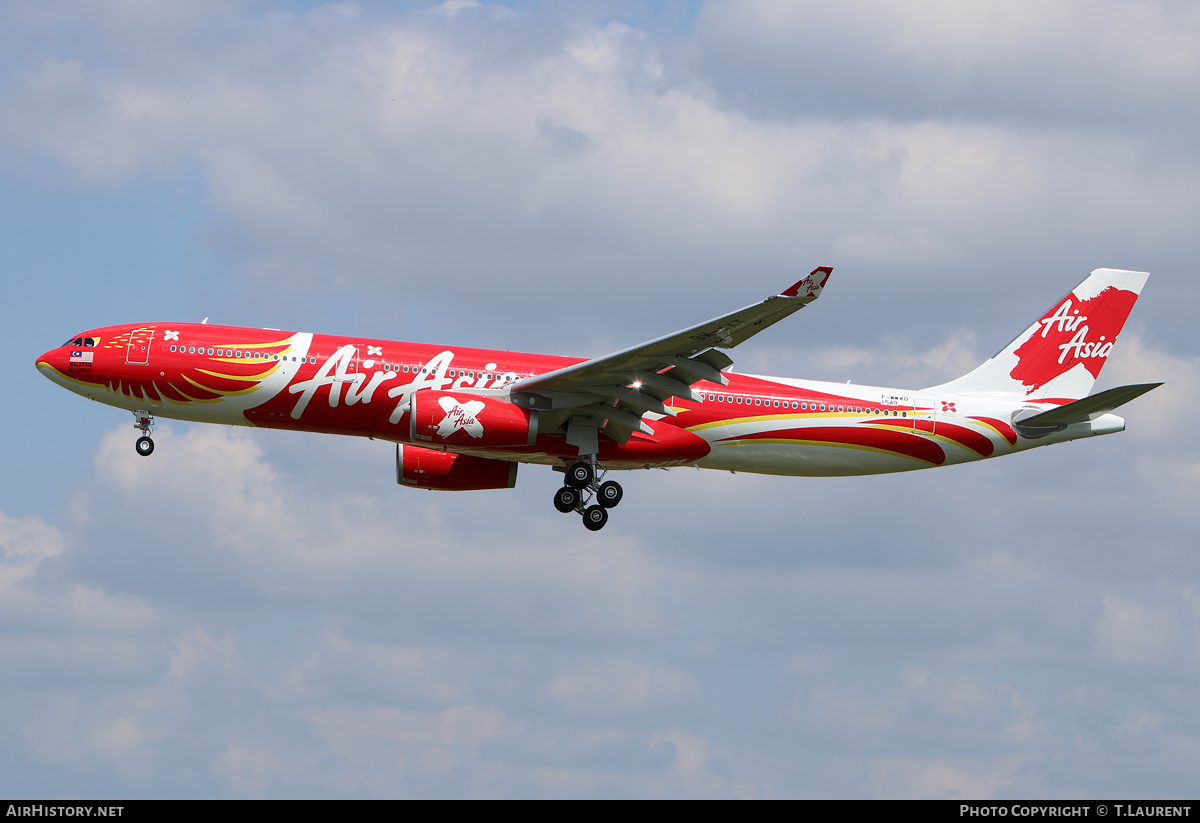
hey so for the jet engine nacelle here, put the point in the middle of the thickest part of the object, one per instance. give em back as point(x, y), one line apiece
point(428, 469)
point(463, 419)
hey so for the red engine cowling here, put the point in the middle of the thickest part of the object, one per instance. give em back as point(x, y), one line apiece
point(462, 419)
point(428, 469)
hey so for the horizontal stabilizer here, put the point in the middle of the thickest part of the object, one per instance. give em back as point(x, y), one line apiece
point(1089, 408)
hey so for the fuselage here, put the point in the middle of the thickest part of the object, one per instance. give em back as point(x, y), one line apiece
point(364, 387)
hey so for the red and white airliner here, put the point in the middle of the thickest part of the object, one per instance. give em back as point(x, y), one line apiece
point(464, 418)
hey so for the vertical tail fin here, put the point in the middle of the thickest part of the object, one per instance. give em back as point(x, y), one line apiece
point(1060, 356)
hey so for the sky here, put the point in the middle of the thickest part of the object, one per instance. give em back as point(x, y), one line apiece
point(266, 614)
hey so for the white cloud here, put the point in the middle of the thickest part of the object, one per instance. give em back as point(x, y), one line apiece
point(915, 777)
point(251, 772)
point(214, 513)
point(612, 685)
point(390, 752)
point(124, 728)
point(991, 59)
point(1154, 418)
point(339, 665)
point(1146, 631)
point(26, 542)
point(56, 628)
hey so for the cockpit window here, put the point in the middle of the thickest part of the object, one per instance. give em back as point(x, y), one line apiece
point(82, 342)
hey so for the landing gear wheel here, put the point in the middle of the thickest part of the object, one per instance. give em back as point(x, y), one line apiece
point(595, 517)
point(580, 475)
point(144, 446)
point(566, 499)
point(609, 494)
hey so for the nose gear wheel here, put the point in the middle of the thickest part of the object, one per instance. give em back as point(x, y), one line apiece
point(144, 422)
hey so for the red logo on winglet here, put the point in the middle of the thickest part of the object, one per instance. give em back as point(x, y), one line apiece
point(810, 286)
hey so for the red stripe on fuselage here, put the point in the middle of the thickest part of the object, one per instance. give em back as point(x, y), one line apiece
point(1003, 429)
point(878, 439)
point(959, 435)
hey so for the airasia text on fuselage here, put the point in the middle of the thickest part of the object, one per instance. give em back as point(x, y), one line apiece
point(361, 386)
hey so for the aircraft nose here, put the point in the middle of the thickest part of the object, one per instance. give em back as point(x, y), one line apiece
point(55, 359)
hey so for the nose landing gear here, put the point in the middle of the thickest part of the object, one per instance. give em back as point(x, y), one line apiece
point(581, 483)
point(144, 422)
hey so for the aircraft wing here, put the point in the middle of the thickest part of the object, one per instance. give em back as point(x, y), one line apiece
point(618, 389)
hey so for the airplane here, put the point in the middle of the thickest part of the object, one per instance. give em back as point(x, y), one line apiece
point(465, 418)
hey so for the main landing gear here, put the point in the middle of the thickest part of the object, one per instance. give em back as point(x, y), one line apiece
point(144, 422)
point(579, 485)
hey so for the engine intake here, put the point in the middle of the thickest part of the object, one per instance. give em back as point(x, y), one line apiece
point(459, 418)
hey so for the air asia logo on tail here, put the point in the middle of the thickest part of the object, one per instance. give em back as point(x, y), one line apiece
point(1073, 332)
